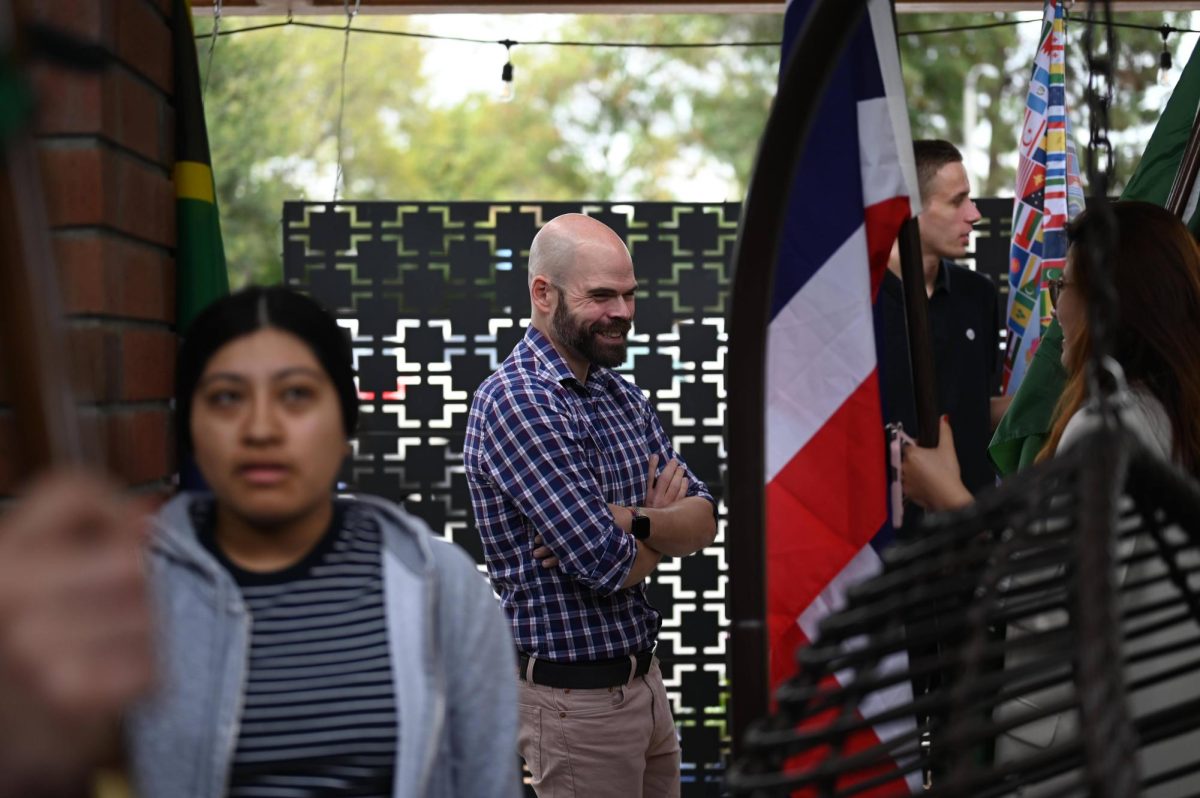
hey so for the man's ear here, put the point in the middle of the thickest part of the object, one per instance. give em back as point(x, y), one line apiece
point(541, 294)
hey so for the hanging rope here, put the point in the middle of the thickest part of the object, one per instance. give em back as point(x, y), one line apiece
point(212, 44)
point(350, 15)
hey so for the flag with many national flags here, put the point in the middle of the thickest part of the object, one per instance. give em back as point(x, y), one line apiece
point(1026, 425)
point(1048, 195)
point(827, 517)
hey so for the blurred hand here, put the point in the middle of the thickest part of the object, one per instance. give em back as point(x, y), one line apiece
point(931, 477)
point(75, 647)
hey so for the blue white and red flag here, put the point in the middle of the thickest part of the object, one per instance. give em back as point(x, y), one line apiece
point(827, 517)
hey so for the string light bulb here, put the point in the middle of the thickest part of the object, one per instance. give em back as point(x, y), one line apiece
point(1164, 59)
point(507, 92)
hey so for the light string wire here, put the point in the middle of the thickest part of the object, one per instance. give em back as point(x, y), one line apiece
point(352, 13)
point(1082, 20)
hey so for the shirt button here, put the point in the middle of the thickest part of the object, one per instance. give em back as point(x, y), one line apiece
point(562, 714)
point(567, 690)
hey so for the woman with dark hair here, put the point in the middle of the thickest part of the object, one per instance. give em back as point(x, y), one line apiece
point(1156, 339)
point(1155, 274)
point(309, 645)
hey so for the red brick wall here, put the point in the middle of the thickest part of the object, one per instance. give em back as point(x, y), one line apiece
point(106, 150)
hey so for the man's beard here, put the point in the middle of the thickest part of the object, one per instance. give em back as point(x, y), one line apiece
point(585, 341)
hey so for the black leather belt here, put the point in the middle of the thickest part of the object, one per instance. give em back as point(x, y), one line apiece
point(593, 675)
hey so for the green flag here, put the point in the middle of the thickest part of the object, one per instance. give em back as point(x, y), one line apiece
point(1151, 181)
point(1026, 425)
point(200, 254)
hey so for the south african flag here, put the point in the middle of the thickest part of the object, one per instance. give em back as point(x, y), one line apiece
point(200, 255)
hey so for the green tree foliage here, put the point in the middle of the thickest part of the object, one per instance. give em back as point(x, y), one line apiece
point(936, 66)
point(588, 122)
point(1136, 104)
point(604, 123)
point(272, 107)
point(664, 115)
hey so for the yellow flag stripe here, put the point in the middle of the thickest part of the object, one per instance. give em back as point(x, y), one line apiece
point(193, 180)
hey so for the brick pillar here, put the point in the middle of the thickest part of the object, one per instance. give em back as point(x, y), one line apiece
point(106, 151)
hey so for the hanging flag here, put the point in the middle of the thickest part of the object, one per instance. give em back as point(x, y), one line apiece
point(1048, 195)
point(199, 255)
point(1155, 173)
point(826, 473)
point(1026, 425)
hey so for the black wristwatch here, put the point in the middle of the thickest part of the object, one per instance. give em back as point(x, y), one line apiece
point(641, 524)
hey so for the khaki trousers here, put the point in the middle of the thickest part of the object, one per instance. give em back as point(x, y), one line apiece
point(615, 741)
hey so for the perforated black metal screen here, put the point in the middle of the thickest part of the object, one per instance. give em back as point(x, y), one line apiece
point(435, 295)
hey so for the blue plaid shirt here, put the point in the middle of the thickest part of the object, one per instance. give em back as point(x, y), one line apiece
point(545, 454)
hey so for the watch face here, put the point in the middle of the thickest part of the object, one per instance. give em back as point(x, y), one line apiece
point(641, 527)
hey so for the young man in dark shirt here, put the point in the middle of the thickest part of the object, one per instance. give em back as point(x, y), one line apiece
point(963, 317)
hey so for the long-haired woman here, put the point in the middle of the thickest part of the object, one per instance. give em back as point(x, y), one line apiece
point(1155, 271)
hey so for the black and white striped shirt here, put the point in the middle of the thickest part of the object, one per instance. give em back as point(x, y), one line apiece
point(319, 712)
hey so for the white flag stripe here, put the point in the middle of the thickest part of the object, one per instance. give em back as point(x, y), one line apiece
point(880, 12)
point(863, 566)
point(879, 162)
point(820, 348)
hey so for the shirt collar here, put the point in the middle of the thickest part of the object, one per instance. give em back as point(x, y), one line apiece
point(556, 366)
point(942, 281)
point(893, 285)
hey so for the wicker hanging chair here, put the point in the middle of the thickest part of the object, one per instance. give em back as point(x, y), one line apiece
point(1091, 563)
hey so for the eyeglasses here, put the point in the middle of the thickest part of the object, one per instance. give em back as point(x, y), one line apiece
point(1056, 287)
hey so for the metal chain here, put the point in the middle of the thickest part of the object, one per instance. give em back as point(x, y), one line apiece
point(1101, 236)
point(1099, 95)
point(1105, 728)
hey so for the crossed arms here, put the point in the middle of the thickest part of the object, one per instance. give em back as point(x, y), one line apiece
point(679, 524)
point(534, 454)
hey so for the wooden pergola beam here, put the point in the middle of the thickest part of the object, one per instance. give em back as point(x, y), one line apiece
point(315, 7)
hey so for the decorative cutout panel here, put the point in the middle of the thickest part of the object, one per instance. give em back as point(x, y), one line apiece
point(435, 296)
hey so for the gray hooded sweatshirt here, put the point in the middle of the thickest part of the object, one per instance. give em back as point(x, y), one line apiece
point(452, 657)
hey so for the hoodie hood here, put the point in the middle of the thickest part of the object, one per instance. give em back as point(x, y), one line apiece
point(175, 538)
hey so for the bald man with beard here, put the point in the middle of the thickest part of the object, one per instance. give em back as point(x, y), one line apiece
point(578, 494)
